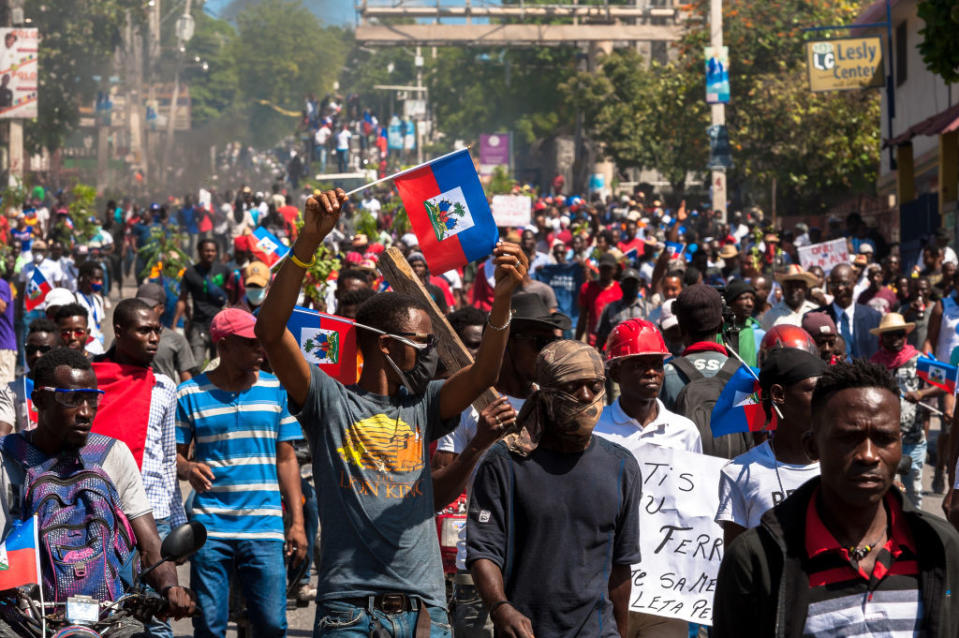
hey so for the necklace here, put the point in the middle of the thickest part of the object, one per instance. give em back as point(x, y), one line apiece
point(776, 465)
point(860, 552)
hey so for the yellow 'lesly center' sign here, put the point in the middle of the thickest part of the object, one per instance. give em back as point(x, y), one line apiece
point(845, 64)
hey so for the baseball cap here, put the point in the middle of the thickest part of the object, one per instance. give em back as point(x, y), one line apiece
point(256, 274)
point(630, 273)
point(152, 293)
point(232, 321)
point(667, 319)
point(607, 260)
point(39, 244)
point(58, 297)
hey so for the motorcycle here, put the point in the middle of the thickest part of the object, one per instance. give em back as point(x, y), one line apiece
point(23, 614)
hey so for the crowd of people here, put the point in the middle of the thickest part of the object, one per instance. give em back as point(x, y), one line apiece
point(603, 327)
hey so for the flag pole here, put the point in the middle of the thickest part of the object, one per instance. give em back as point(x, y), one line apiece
point(403, 172)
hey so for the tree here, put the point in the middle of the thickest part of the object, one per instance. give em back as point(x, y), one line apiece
point(78, 38)
point(651, 118)
point(939, 35)
point(213, 91)
point(818, 146)
point(282, 53)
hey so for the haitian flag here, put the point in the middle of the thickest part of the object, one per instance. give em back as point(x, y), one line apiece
point(738, 408)
point(267, 247)
point(448, 211)
point(20, 555)
point(327, 341)
point(32, 415)
point(941, 375)
point(37, 289)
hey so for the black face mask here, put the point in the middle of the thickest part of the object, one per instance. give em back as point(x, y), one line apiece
point(417, 378)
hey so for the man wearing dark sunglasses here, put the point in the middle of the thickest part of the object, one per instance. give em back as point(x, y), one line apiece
point(42, 337)
point(380, 570)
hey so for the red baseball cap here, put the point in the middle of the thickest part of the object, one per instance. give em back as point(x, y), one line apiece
point(232, 321)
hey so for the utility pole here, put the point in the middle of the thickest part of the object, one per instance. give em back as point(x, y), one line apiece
point(15, 138)
point(717, 179)
point(184, 31)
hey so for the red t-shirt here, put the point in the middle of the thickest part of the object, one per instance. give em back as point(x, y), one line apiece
point(637, 243)
point(592, 299)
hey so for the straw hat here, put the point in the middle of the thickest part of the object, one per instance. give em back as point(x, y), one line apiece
point(728, 252)
point(795, 272)
point(892, 322)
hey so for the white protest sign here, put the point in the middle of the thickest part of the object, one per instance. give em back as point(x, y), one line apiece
point(512, 210)
point(681, 545)
point(825, 255)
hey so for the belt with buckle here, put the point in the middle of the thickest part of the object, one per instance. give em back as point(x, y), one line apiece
point(387, 603)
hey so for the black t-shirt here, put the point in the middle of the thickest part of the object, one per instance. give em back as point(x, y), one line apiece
point(555, 524)
point(207, 289)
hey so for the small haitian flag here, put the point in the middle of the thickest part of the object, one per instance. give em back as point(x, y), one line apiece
point(738, 408)
point(448, 211)
point(327, 341)
point(37, 289)
point(267, 247)
point(20, 556)
point(941, 375)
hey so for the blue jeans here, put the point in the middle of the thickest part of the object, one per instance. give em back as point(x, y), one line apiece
point(343, 620)
point(261, 573)
point(912, 479)
point(159, 628)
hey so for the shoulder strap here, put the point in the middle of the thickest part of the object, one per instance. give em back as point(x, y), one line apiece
point(729, 369)
point(97, 449)
point(687, 368)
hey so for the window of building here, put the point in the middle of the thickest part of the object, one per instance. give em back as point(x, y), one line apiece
point(901, 53)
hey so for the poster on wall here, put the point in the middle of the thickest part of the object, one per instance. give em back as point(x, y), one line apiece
point(18, 73)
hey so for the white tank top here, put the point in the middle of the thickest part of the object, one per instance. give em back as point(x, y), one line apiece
point(948, 337)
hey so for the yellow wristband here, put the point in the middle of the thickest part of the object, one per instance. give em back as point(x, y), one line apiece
point(302, 264)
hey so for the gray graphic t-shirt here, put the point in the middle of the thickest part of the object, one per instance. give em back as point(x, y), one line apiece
point(375, 496)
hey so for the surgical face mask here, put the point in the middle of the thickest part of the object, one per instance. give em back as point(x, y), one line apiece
point(569, 414)
point(417, 378)
point(96, 287)
point(256, 295)
point(38, 258)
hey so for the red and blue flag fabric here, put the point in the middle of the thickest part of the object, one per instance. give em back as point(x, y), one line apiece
point(738, 408)
point(37, 289)
point(942, 375)
point(20, 556)
point(267, 247)
point(327, 341)
point(448, 211)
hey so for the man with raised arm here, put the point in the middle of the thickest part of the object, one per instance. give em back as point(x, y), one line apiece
point(380, 572)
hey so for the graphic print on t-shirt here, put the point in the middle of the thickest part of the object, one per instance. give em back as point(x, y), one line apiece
point(383, 444)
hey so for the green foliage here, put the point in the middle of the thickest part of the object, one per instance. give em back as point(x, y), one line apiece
point(282, 52)
point(653, 118)
point(820, 147)
point(314, 285)
point(500, 182)
point(162, 252)
point(503, 90)
point(79, 39)
point(213, 93)
point(82, 206)
point(940, 34)
point(13, 196)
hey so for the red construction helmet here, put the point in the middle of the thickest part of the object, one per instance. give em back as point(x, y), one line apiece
point(786, 336)
point(633, 338)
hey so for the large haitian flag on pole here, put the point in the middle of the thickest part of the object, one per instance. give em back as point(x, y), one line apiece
point(327, 341)
point(448, 211)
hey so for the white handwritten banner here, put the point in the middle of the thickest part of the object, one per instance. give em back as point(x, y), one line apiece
point(681, 544)
point(512, 210)
point(826, 255)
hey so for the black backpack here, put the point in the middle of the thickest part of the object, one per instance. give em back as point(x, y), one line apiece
point(696, 400)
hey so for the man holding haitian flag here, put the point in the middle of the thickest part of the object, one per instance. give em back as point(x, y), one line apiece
point(381, 569)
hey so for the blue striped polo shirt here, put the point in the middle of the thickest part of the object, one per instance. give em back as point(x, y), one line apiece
point(236, 435)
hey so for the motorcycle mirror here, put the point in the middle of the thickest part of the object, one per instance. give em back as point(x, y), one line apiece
point(183, 542)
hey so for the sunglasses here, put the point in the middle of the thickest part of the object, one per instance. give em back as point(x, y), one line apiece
point(76, 332)
point(423, 346)
point(33, 349)
point(73, 398)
